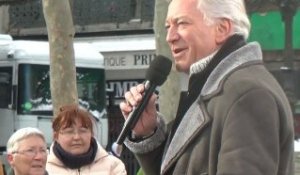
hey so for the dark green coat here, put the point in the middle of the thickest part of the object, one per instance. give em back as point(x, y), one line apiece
point(241, 124)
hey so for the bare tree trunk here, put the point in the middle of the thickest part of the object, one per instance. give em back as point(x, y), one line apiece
point(170, 90)
point(61, 31)
point(4, 18)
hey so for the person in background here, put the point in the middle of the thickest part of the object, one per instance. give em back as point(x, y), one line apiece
point(234, 119)
point(2, 169)
point(27, 152)
point(75, 150)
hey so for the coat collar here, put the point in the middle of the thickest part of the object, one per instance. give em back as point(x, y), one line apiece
point(52, 159)
point(196, 118)
point(244, 55)
point(193, 122)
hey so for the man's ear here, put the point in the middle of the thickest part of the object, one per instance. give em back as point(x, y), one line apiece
point(10, 159)
point(224, 29)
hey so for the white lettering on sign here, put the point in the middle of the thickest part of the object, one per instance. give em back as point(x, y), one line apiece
point(120, 87)
point(128, 60)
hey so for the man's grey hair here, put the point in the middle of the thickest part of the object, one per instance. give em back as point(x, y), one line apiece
point(19, 135)
point(234, 10)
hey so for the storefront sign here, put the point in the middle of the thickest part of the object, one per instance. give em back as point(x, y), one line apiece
point(119, 87)
point(128, 60)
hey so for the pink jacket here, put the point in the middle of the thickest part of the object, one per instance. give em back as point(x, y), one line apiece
point(104, 164)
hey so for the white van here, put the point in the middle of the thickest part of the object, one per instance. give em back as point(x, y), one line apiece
point(25, 98)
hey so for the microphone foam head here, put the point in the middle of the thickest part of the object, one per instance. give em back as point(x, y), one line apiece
point(159, 70)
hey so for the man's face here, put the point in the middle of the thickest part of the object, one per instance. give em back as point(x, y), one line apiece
point(188, 36)
point(30, 158)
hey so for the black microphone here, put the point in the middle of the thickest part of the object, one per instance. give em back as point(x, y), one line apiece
point(156, 75)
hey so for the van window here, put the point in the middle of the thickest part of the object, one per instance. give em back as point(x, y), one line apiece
point(5, 86)
point(34, 90)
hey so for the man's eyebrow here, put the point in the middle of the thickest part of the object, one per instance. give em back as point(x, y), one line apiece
point(181, 17)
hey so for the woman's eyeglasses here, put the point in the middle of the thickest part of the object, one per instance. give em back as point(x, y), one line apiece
point(73, 131)
point(32, 152)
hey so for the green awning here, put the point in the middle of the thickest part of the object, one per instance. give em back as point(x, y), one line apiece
point(269, 30)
